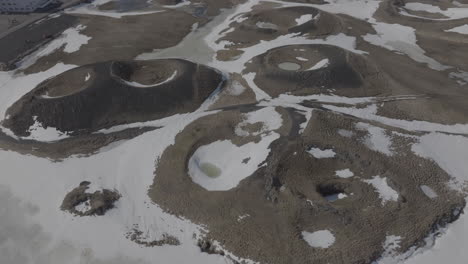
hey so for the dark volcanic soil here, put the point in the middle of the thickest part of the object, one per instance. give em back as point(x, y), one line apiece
point(97, 96)
point(322, 67)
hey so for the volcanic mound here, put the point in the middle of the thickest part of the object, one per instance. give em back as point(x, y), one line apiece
point(272, 23)
point(355, 200)
point(101, 95)
point(306, 69)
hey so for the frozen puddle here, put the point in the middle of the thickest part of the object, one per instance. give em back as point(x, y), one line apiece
point(221, 165)
point(319, 239)
point(335, 197)
point(289, 66)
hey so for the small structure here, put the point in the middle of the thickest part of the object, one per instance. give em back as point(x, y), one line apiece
point(23, 6)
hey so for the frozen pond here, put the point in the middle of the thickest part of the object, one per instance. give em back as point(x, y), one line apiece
point(210, 170)
point(335, 197)
point(289, 66)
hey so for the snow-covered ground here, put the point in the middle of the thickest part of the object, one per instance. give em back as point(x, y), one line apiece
point(221, 165)
point(32, 188)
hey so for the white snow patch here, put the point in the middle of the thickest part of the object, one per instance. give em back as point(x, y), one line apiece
point(319, 65)
point(307, 115)
point(346, 173)
point(70, 40)
point(139, 85)
point(304, 19)
point(321, 154)
point(377, 138)
point(73, 40)
point(87, 77)
point(450, 152)
point(390, 246)
point(386, 193)
point(301, 59)
point(319, 239)
point(461, 29)
point(49, 134)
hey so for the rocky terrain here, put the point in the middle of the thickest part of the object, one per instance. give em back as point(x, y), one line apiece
point(83, 203)
point(237, 131)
